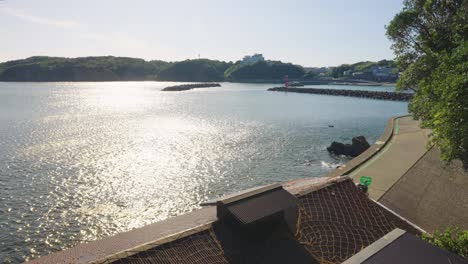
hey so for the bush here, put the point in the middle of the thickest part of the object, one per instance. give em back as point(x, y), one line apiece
point(452, 239)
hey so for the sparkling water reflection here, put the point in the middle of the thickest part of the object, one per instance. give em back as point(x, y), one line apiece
point(82, 161)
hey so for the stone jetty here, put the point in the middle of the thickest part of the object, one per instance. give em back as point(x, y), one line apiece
point(393, 96)
point(296, 84)
point(185, 87)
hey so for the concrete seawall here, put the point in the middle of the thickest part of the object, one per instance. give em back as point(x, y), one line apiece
point(353, 93)
point(406, 146)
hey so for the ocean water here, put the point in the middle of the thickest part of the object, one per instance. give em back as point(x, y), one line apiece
point(82, 161)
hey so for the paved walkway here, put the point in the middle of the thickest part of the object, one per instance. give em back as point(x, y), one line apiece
point(406, 147)
point(432, 194)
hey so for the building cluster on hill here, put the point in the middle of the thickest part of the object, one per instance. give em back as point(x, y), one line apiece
point(319, 71)
point(249, 60)
point(375, 73)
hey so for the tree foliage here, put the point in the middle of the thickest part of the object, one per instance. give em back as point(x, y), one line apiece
point(452, 239)
point(201, 70)
point(264, 70)
point(37, 69)
point(429, 42)
point(107, 68)
point(310, 76)
point(41, 68)
point(441, 102)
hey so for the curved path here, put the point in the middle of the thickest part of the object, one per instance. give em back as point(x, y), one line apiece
point(405, 148)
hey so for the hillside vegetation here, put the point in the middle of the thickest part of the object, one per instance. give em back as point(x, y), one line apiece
point(362, 66)
point(36, 69)
point(109, 68)
point(201, 70)
point(264, 70)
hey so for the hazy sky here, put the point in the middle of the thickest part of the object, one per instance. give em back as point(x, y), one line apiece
point(306, 32)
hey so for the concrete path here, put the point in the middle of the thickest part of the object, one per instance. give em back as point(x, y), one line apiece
point(406, 147)
point(432, 194)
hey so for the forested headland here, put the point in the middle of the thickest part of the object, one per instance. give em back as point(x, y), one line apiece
point(109, 68)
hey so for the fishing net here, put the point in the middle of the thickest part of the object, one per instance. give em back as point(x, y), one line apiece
point(333, 224)
point(338, 221)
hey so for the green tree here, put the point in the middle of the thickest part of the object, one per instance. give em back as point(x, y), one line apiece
point(429, 43)
point(264, 70)
point(310, 76)
point(452, 239)
point(108, 68)
point(201, 70)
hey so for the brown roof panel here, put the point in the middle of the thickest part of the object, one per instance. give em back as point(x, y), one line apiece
point(259, 206)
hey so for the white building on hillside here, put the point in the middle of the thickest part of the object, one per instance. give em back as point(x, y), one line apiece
point(247, 60)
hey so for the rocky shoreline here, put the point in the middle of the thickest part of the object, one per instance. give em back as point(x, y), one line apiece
point(393, 96)
point(358, 146)
point(191, 86)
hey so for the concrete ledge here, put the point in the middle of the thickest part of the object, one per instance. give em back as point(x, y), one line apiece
point(161, 241)
point(148, 236)
point(304, 186)
point(375, 247)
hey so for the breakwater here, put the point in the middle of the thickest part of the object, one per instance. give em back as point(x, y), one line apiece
point(393, 96)
point(184, 87)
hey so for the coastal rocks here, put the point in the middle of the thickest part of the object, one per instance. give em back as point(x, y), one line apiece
point(354, 93)
point(185, 87)
point(339, 148)
point(358, 146)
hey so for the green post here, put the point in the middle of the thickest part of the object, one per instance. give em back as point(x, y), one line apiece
point(365, 180)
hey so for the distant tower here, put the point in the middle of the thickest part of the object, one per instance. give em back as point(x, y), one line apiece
point(286, 81)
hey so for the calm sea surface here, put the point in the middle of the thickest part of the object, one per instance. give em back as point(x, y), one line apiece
point(82, 161)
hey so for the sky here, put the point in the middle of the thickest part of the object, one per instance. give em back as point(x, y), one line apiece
point(311, 33)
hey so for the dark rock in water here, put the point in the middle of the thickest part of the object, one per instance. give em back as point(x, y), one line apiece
point(358, 146)
point(340, 148)
point(331, 126)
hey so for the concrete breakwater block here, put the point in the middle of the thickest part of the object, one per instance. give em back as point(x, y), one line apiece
point(393, 96)
point(185, 87)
